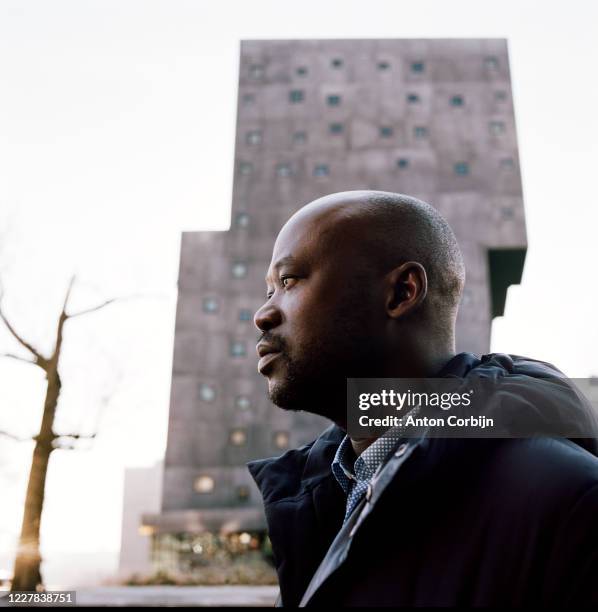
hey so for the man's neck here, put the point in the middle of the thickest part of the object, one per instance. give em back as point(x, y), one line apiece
point(360, 444)
point(426, 369)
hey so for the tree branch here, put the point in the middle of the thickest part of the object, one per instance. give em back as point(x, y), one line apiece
point(68, 293)
point(17, 438)
point(76, 436)
point(60, 441)
point(93, 309)
point(39, 358)
point(18, 358)
point(107, 302)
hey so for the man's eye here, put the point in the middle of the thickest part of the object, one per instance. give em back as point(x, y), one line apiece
point(288, 281)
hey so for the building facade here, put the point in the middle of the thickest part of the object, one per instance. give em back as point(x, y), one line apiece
point(430, 118)
point(141, 494)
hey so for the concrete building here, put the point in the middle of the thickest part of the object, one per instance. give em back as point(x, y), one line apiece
point(430, 118)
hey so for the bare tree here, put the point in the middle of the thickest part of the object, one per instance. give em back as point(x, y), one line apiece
point(27, 573)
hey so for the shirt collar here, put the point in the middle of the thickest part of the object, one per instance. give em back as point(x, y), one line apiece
point(347, 469)
point(342, 465)
point(365, 466)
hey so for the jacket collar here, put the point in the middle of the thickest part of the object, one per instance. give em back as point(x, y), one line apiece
point(299, 470)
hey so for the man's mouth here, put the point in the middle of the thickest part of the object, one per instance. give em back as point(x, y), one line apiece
point(266, 360)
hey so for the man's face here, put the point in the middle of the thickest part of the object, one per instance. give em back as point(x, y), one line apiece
point(321, 320)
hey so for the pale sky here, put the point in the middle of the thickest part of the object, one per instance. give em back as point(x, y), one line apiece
point(117, 127)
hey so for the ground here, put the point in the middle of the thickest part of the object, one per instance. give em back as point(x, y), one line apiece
point(208, 596)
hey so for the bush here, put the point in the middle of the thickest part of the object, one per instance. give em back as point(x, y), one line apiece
point(252, 570)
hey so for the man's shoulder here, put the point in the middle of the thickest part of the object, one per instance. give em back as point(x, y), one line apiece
point(504, 475)
point(539, 473)
point(531, 481)
point(297, 469)
point(547, 460)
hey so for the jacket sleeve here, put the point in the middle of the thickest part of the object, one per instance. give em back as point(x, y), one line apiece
point(572, 577)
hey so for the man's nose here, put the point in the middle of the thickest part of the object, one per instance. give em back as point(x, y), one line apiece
point(267, 317)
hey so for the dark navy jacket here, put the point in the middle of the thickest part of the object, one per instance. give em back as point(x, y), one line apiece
point(448, 522)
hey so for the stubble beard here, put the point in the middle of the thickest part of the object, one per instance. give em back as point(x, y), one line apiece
point(318, 384)
point(315, 377)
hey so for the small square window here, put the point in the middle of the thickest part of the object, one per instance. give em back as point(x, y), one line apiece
point(283, 170)
point(207, 392)
point(383, 65)
point(420, 131)
point(238, 437)
point(461, 168)
point(507, 163)
point(245, 168)
point(300, 137)
point(335, 128)
point(281, 439)
point(239, 269)
point(491, 62)
point(497, 128)
point(301, 71)
point(457, 101)
point(337, 62)
point(256, 71)
point(386, 131)
point(245, 314)
point(321, 170)
point(241, 220)
point(417, 67)
point(413, 98)
point(242, 402)
point(243, 493)
point(333, 100)
point(296, 95)
point(248, 99)
point(500, 96)
point(210, 305)
point(237, 348)
point(204, 484)
point(402, 163)
point(254, 137)
point(507, 212)
point(467, 297)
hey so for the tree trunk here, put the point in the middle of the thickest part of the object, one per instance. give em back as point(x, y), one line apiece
point(27, 573)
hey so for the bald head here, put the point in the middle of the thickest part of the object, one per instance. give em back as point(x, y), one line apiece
point(361, 284)
point(384, 230)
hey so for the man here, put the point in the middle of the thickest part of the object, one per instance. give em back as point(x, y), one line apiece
point(367, 285)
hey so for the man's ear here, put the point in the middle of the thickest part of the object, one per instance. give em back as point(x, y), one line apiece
point(407, 287)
